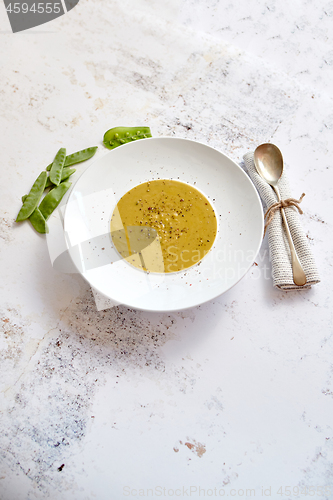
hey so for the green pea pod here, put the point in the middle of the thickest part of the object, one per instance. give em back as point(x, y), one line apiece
point(57, 166)
point(121, 135)
point(77, 157)
point(37, 219)
point(32, 199)
point(53, 198)
point(66, 172)
point(83, 155)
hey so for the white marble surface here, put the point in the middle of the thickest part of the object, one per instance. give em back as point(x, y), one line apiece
point(234, 397)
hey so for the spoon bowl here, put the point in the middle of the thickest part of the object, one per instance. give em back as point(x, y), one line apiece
point(269, 165)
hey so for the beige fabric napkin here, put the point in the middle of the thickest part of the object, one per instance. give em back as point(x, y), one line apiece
point(277, 240)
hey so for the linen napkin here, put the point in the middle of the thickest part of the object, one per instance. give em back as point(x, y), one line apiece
point(277, 239)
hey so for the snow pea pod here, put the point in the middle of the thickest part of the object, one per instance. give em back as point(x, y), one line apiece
point(77, 157)
point(53, 198)
point(57, 166)
point(37, 220)
point(121, 135)
point(66, 172)
point(32, 199)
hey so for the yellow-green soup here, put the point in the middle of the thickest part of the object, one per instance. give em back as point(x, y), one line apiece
point(163, 226)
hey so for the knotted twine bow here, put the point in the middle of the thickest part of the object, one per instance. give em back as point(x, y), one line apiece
point(289, 202)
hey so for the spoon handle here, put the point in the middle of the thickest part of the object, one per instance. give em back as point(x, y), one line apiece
point(298, 272)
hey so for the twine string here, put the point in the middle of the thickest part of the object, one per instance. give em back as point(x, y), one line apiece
point(289, 202)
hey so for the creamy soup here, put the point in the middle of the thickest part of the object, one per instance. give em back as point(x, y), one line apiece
point(163, 226)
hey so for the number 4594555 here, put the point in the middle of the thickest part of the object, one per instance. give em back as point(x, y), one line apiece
point(39, 8)
point(304, 490)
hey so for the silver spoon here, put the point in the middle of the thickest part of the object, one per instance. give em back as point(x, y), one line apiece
point(269, 165)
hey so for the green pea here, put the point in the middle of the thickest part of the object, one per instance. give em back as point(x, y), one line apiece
point(37, 220)
point(66, 172)
point(57, 166)
point(32, 199)
point(120, 135)
point(77, 157)
point(50, 201)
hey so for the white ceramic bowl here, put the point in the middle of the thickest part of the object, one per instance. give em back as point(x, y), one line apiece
point(229, 189)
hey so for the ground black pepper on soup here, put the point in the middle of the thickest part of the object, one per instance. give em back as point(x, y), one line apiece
point(163, 226)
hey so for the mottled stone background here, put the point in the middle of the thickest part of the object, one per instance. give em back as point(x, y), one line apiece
point(235, 394)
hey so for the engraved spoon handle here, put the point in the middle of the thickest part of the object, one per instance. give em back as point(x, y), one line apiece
point(298, 272)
